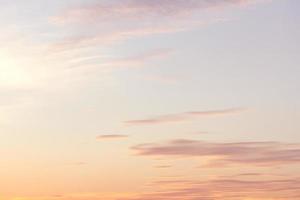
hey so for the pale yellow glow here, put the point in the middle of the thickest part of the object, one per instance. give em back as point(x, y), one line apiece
point(13, 73)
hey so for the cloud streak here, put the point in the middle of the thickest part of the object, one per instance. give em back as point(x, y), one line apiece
point(214, 189)
point(223, 154)
point(140, 59)
point(111, 137)
point(184, 116)
point(132, 61)
point(223, 189)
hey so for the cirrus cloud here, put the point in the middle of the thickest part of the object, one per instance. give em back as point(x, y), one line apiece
point(121, 10)
point(105, 23)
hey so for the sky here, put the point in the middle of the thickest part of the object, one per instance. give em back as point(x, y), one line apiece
point(150, 100)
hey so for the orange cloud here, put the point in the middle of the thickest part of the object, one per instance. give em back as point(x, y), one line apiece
point(183, 116)
point(223, 189)
point(187, 189)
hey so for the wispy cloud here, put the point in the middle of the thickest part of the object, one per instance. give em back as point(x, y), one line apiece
point(187, 189)
point(106, 38)
point(111, 137)
point(222, 154)
point(183, 116)
point(114, 21)
point(121, 10)
point(222, 189)
point(140, 59)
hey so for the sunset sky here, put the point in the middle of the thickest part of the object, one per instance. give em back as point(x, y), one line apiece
point(150, 100)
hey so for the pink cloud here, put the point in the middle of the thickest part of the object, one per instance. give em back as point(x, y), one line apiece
point(178, 117)
point(222, 154)
point(135, 10)
point(115, 21)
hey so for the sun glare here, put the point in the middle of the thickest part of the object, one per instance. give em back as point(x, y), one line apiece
point(13, 74)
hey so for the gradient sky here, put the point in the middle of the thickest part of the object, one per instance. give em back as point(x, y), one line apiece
point(150, 100)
